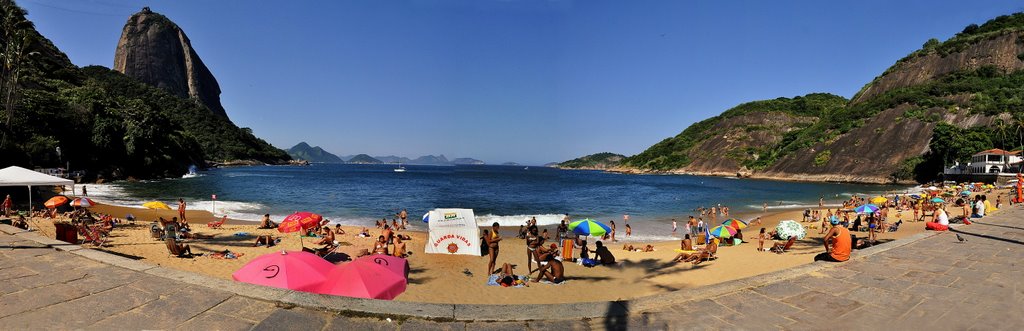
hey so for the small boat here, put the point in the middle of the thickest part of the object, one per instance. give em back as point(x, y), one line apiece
point(400, 168)
point(527, 168)
point(191, 172)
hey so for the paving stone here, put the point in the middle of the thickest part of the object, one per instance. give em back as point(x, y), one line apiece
point(18, 272)
point(342, 323)
point(781, 290)
point(415, 324)
point(497, 326)
point(49, 279)
point(28, 300)
point(566, 325)
point(246, 308)
point(692, 309)
point(292, 319)
point(815, 302)
point(167, 312)
point(215, 321)
point(748, 302)
point(81, 312)
point(884, 298)
point(824, 284)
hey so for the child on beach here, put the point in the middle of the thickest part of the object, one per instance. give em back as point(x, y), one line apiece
point(760, 240)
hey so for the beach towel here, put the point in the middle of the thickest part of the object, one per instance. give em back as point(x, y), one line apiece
point(589, 263)
point(567, 250)
point(241, 234)
point(226, 255)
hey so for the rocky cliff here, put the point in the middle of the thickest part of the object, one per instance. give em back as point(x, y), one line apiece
point(598, 161)
point(155, 51)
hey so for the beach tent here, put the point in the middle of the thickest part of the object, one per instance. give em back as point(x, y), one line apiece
point(452, 231)
point(18, 176)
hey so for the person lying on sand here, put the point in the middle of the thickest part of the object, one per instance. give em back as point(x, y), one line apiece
point(20, 222)
point(630, 248)
point(265, 240)
point(506, 277)
point(365, 233)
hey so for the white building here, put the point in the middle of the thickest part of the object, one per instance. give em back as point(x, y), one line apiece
point(995, 161)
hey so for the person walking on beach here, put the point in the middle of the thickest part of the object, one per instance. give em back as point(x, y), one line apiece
point(84, 191)
point(492, 244)
point(760, 240)
point(403, 215)
point(629, 231)
point(673, 226)
point(764, 207)
point(7, 205)
point(181, 209)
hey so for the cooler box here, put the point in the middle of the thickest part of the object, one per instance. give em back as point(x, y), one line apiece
point(66, 232)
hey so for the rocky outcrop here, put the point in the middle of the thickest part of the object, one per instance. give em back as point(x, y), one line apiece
point(1001, 51)
point(302, 151)
point(155, 51)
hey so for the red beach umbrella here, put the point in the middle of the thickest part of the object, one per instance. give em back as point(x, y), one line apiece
point(363, 280)
point(295, 270)
point(56, 201)
point(397, 265)
point(299, 222)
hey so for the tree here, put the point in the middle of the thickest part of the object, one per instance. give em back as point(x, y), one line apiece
point(16, 43)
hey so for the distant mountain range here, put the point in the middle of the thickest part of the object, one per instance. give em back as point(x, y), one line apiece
point(304, 151)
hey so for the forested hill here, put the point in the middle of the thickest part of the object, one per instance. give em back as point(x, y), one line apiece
point(103, 121)
point(937, 105)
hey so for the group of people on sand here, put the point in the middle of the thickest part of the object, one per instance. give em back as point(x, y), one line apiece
point(549, 257)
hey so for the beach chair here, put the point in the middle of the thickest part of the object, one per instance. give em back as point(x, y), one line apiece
point(91, 235)
point(156, 232)
point(779, 248)
point(176, 250)
point(217, 224)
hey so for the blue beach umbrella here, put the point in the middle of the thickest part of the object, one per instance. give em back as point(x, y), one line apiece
point(426, 217)
point(866, 209)
point(938, 200)
point(965, 193)
point(915, 196)
point(589, 227)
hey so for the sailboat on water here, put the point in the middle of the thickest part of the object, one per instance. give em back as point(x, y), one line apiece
point(400, 168)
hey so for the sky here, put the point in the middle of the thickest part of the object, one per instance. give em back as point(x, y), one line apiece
point(514, 81)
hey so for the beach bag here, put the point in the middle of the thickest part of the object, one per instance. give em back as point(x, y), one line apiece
point(589, 263)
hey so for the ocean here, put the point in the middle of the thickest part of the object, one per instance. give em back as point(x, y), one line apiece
point(353, 194)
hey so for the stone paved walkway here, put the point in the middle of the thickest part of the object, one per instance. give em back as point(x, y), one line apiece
point(935, 283)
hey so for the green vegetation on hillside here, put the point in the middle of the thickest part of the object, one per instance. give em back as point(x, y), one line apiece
point(672, 153)
point(598, 160)
point(103, 121)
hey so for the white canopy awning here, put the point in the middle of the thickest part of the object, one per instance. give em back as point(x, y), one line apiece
point(18, 176)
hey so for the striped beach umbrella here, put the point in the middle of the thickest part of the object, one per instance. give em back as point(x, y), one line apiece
point(735, 224)
point(866, 209)
point(83, 202)
point(723, 231)
point(589, 227)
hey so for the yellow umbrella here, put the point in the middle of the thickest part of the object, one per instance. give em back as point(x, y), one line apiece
point(156, 205)
point(879, 200)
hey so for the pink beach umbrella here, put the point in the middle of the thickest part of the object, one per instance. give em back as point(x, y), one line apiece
point(363, 280)
point(294, 270)
point(395, 264)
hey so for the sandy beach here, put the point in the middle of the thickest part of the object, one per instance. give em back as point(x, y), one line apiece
point(440, 278)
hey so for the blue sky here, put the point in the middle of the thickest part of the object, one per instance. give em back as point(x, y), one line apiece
point(525, 81)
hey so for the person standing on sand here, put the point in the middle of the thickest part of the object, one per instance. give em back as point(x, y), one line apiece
point(84, 191)
point(613, 230)
point(673, 226)
point(492, 240)
point(181, 209)
point(760, 240)
point(629, 231)
point(7, 205)
point(403, 215)
point(764, 207)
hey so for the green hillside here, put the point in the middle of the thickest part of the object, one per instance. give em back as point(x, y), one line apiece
point(671, 153)
point(599, 160)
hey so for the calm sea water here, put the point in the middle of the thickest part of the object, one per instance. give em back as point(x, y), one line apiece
point(358, 194)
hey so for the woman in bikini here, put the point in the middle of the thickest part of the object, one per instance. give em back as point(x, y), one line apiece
point(492, 240)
